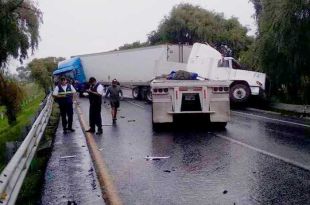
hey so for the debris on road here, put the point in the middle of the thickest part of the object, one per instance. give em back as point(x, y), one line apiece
point(225, 192)
point(67, 157)
point(72, 202)
point(156, 158)
point(100, 149)
point(168, 171)
point(131, 120)
point(122, 116)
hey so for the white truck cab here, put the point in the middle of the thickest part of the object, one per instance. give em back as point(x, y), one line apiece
point(185, 97)
point(209, 63)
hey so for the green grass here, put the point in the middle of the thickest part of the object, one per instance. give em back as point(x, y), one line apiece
point(13, 132)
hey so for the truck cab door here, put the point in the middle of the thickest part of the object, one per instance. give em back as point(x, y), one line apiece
point(222, 70)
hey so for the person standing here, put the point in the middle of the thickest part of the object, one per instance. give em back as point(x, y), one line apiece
point(114, 92)
point(64, 93)
point(95, 92)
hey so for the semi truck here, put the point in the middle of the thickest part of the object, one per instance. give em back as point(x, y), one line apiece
point(172, 98)
point(210, 63)
point(133, 68)
point(136, 68)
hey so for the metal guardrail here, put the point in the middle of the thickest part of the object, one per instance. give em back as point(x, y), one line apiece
point(13, 175)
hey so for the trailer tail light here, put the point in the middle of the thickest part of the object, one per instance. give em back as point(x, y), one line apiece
point(183, 89)
point(220, 89)
point(160, 91)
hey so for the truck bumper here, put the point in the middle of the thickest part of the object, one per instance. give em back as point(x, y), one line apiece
point(256, 90)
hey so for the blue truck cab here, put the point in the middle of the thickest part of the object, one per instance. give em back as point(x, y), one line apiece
point(72, 69)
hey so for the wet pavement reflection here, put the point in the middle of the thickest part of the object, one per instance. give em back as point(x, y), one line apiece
point(203, 168)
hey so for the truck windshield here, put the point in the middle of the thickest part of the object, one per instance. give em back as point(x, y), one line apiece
point(236, 65)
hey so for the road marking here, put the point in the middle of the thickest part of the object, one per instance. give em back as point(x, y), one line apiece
point(273, 119)
point(140, 106)
point(289, 161)
point(106, 182)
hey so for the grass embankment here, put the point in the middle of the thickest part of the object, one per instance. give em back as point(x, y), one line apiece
point(29, 108)
point(31, 190)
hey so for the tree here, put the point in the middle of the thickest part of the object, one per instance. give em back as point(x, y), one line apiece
point(23, 73)
point(283, 46)
point(136, 44)
point(19, 29)
point(19, 32)
point(188, 24)
point(42, 69)
point(11, 96)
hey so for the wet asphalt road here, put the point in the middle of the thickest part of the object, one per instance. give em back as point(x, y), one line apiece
point(70, 177)
point(258, 159)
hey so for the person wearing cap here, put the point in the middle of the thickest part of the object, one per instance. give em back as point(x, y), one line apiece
point(114, 92)
point(64, 94)
point(95, 92)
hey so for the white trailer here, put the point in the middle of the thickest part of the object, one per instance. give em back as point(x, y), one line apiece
point(187, 97)
point(135, 68)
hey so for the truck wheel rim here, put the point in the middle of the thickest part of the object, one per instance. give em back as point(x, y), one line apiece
point(239, 93)
point(149, 96)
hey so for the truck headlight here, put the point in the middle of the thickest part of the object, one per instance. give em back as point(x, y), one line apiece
point(259, 83)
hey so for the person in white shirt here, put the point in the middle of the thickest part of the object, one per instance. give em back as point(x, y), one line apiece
point(64, 94)
point(95, 100)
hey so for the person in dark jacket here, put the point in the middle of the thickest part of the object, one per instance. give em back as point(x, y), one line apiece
point(64, 93)
point(95, 92)
point(114, 92)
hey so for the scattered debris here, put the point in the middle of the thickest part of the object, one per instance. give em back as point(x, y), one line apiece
point(3, 196)
point(71, 203)
point(168, 171)
point(83, 146)
point(122, 116)
point(131, 120)
point(91, 169)
point(100, 149)
point(155, 158)
point(254, 172)
point(225, 192)
point(67, 157)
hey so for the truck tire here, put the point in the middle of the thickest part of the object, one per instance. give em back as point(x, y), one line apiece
point(219, 125)
point(239, 93)
point(149, 95)
point(136, 93)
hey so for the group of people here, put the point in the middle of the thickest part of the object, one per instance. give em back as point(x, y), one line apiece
point(65, 94)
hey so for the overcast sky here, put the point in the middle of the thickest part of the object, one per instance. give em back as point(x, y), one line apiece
point(73, 27)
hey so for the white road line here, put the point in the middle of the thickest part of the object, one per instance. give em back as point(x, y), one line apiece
point(289, 161)
point(273, 119)
point(140, 106)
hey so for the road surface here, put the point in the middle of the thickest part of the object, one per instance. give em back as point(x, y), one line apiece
point(260, 158)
